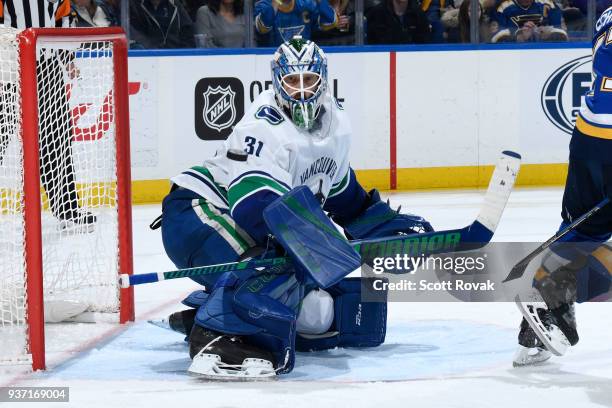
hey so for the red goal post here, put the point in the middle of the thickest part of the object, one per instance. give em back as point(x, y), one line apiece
point(32, 43)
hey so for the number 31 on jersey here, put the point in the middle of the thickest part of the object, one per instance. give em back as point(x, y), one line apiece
point(253, 146)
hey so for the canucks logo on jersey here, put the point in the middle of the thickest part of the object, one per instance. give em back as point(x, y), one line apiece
point(269, 113)
point(595, 118)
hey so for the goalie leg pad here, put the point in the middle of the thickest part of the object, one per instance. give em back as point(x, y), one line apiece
point(356, 323)
point(271, 301)
point(319, 251)
point(217, 312)
point(262, 308)
point(195, 299)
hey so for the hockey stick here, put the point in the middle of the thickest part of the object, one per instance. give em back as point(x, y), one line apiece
point(519, 269)
point(475, 235)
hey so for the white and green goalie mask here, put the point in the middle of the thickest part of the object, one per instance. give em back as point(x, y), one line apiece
point(299, 75)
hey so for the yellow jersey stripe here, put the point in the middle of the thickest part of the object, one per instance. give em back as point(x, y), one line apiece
point(593, 130)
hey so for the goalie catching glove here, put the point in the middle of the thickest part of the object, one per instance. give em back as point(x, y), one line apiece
point(378, 219)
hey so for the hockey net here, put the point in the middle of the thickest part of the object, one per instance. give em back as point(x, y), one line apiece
point(65, 227)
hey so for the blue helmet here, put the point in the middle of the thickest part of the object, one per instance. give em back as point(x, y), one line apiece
point(299, 76)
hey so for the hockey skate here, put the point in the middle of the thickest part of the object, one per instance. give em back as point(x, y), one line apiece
point(565, 319)
point(224, 357)
point(531, 350)
point(180, 322)
point(537, 318)
point(77, 221)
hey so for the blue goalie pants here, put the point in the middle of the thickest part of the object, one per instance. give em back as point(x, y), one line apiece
point(196, 233)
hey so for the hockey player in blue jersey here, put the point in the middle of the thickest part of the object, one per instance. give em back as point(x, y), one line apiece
point(286, 161)
point(284, 19)
point(579, 268)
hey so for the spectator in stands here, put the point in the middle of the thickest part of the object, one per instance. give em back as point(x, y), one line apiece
point(115, 7)
point(450, 21)
point(221, 23)
point(600, 6)
point(457, 22)
point(398, 22)
point(192, 7)
point(489, 9)
point(575, 19)
point(280, 20)
point(344, 32)
point(93, 13)
point(529, 20)
point(160, 24)
point(433, 10)
point(369, 4)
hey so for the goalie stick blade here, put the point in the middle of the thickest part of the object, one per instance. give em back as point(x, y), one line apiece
point(161, 323)
point(519, 269)
point(498, 192)
point(553, 338)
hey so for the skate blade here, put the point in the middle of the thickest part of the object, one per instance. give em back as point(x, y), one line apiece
point(554, 340)
point(210, 367)
point(526, 357)
point(67, 227)
point(161, 323)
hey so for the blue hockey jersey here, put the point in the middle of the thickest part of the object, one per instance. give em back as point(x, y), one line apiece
point(298, 17)
point(511, 15)
point(595, 117)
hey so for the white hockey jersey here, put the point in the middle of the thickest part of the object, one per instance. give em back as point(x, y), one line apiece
point(280, 156)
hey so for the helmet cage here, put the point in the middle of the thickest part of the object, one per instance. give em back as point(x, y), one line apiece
point(303, 95)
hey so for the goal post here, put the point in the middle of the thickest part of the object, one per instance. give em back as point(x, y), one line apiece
point(71, 242)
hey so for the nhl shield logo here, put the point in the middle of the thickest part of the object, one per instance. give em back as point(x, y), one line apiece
point(219, 105)
point(219, 108)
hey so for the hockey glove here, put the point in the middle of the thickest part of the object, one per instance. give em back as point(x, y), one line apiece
point(380, 220)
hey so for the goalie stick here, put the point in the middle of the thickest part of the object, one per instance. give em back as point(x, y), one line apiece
point(519, 269)
point(474, 236)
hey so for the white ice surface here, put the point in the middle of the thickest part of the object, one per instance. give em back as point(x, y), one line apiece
point(436, 354)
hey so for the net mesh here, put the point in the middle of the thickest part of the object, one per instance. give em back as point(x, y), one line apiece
point(78, 182)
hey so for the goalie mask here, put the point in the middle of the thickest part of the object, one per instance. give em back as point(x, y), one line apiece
point(299, 75)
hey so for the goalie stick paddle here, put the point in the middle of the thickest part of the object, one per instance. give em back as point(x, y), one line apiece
point(474, 236)
point(519, 269)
